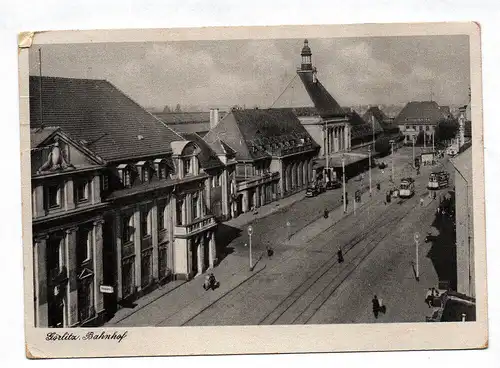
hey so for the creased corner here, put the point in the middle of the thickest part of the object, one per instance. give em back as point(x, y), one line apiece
point(29, 354)
point(25, 39)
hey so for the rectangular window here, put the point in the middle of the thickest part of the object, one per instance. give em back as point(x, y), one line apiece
point(161, 216)
point(414, 127)
point(146, 175)
point(427, 128)
point(162, 174)
point(194, 206)
point(105, 182)
point(420, 128)
point(187, 166)
point(84, 245)
point(82, 191)
point(54, 196)
point(127, 229)
point(145, 223)
point(178, 212)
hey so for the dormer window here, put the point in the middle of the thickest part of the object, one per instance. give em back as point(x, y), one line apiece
point(161, 168)
point(144, 171)
point(125, 173)
point(187, 166)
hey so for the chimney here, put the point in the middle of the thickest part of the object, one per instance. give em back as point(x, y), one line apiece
point(214, 117)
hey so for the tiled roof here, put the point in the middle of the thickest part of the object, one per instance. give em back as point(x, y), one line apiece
point(323, 101)
point(419, 112)
point(386, 123)
point(95, 111)
point(259, 133)
point(38, 135)
point(207, 157)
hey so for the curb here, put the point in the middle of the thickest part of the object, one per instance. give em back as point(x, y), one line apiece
point(223, 295)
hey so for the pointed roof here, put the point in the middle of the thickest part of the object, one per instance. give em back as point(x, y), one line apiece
point(259, 133)
point(326, 105)
point(420, 112)
point(96, 112)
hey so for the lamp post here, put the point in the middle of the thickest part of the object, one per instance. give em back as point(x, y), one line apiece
point(417, 274)
point(392, 159)
point(343, 182)
point(327, 149)
point(370, 168)
point(373, 131)
point(250, 231)
point(413, 149)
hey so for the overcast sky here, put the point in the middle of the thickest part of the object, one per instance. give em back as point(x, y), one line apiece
point(382, 70)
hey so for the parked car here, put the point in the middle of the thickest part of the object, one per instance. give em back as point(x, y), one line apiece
point(312, 192)
point(333, 185)
point(382, 165)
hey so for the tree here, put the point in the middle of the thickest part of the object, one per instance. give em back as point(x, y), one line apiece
point(178, 108)
point(383, 146)
point(446, 129)
point(167, 109)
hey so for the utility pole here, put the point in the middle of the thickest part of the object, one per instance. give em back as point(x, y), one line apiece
point(417, 274)
point(373, 131)
point(370, 168)
point(343, 182)
point(413, 146)
point(327, 135)
point(392, 159)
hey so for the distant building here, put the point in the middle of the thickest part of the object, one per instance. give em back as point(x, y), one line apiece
point(363, 131)
point(120, 201)
point(417, 117)
point(389, 128)
point(274, 154)
point(191, 122)
point(464, 223)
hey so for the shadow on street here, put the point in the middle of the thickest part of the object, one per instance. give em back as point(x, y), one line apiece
point(443, 252)
point(224, 235)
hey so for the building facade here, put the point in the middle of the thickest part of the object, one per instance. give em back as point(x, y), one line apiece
point(419, 118)
point(273, 152)
point(120, 206)
point(464, 223)
point(67, 220)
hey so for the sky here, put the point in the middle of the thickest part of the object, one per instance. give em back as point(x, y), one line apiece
point(200, 75)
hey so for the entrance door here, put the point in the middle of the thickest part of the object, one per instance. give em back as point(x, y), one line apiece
point(55, 297)
point(194, 254)
point(206, 250)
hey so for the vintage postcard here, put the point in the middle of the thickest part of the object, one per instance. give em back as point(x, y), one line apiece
point(253, 190)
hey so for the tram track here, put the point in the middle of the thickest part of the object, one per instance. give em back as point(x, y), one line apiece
point(368, 236)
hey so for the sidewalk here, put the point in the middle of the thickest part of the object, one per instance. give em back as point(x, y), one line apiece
point(178, 302)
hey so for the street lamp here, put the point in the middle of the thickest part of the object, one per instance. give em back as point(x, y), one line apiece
point(343, 182)
point(392, 159)
point(250, 231)
point(416, 237)
point(370, 168)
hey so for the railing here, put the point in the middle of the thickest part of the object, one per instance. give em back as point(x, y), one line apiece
point(197, 226)
point(128, 249)
point(146, 242)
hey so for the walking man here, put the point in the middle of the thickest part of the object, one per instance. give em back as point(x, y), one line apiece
point(340, 257)
point(376, 306)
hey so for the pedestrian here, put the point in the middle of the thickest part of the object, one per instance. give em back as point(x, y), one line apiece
point(270, 251)
point(340, 257)
point(434, 195)
point(375, 306)
point(421, 202)
point(428, 297)
point(325, 213)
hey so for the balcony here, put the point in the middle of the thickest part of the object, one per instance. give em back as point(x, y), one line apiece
point(197, 226)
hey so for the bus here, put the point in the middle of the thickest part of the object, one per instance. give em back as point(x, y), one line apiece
point(406, 188)
point(438, 180)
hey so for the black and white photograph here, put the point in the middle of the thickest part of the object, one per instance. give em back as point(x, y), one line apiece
point(302, 180)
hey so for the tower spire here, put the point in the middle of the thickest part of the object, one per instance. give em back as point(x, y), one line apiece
point(306, 56)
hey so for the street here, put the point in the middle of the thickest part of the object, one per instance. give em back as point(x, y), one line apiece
point(303, 282)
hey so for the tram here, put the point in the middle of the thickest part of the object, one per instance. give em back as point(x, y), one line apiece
point(438, 180)
point(406, 188)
